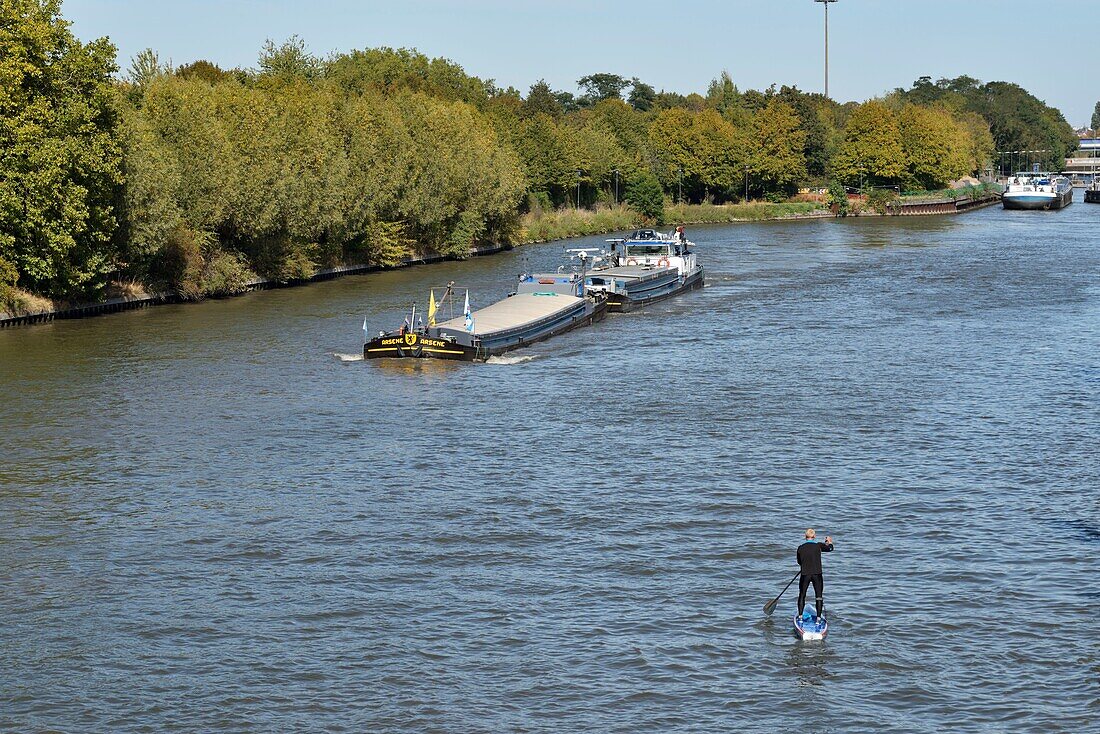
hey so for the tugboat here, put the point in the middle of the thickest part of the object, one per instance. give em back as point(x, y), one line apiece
point(1037, 191)
point(650, 266)
point(543, 305)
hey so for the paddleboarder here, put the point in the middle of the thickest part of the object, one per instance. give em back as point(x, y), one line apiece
point(809, 560)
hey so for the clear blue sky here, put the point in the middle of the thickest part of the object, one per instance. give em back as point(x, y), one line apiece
point(875, 45)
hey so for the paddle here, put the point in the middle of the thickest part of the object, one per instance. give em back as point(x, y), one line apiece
point(770, 606)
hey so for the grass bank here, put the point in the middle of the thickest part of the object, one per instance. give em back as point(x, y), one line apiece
point(973, 192)
point(753, 211)
point(546, 225)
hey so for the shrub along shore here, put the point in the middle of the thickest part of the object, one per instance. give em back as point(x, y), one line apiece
point(198, 181)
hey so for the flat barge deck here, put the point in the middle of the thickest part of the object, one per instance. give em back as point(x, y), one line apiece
point(543, 306)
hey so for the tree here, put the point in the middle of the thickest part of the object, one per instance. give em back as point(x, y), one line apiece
point(935, 146)
point(289, 59)
point(392, 70)
point(778, 160)
point(204, 70)
point(60, 165)
point(545, 158)
point(145, 67)
point(601, 86)
point(722, 93)
point(872, 146)
point(644, 195)
point(541, 100)
point(1096, 117)
point(673, 144)
point(642, 96)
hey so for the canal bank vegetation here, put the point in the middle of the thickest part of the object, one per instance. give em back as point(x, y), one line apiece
point(198, 180)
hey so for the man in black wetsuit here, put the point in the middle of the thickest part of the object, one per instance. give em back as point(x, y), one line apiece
point(809, 560)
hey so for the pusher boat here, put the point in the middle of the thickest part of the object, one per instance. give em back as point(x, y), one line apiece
point(645, 267)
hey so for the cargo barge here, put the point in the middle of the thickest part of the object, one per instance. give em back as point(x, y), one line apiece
point(543, 305)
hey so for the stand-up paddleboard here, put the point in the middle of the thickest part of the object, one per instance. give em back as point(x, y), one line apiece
point(810, 627)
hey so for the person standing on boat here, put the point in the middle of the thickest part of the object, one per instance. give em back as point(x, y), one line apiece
point(809, 560)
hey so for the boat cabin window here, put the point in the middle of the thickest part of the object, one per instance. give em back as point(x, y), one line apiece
point(636, 250)
point(643, 234)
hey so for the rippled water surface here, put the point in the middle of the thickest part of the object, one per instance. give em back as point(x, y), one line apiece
point(210, 521)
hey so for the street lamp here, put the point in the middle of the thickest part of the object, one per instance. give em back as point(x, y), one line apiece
point(826, 4)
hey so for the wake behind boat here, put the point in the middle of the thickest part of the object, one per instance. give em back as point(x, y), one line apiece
point(650, 266)
point(1037, 191)
point(542, 306)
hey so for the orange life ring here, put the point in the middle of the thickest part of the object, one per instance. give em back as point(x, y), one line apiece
point(631, 261)
point(663, 262)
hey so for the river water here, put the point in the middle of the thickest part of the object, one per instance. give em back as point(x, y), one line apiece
point(214, 518)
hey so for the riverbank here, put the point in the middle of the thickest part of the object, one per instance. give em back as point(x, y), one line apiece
point(535, 228)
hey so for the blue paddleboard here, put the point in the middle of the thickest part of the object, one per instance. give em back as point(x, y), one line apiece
point(810, 627)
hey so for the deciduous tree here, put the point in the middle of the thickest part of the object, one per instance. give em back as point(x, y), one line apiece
point(872, 146)
point(60, 162)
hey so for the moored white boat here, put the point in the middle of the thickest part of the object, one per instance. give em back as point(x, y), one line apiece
point(1037, 191)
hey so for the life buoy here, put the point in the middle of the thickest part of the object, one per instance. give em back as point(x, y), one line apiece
point(663, 262)
point(631, 261)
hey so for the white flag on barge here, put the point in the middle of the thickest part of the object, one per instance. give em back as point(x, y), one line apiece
point(469, 316)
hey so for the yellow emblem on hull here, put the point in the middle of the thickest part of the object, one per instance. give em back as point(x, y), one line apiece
point(410, 339)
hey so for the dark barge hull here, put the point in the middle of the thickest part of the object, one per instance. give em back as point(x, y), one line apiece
point(622, 303)
point(417, 345)
point(1092, 197)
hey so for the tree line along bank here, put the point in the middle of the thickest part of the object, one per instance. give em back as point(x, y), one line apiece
point(197, 179)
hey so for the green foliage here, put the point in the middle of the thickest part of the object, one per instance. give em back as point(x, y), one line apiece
point(541, 100)
point(644, 195)
point(642, 96)
point(9, 276)
point(226, 274)
point(1096, 117)
point(872, 146)
point(599, 87)
point(59, 153)
point(204, 70)
point(1017, 120)
point(197, 179)
point(881, 199)
point(778, 160)
point(289, 59)
point(936, 146)
point(387, 70)
point(838, 198)
point(722, 94)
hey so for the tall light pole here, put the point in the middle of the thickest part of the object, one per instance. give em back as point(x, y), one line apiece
point(826, 4)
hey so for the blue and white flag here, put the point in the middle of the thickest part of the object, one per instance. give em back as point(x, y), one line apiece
point(469, 316)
